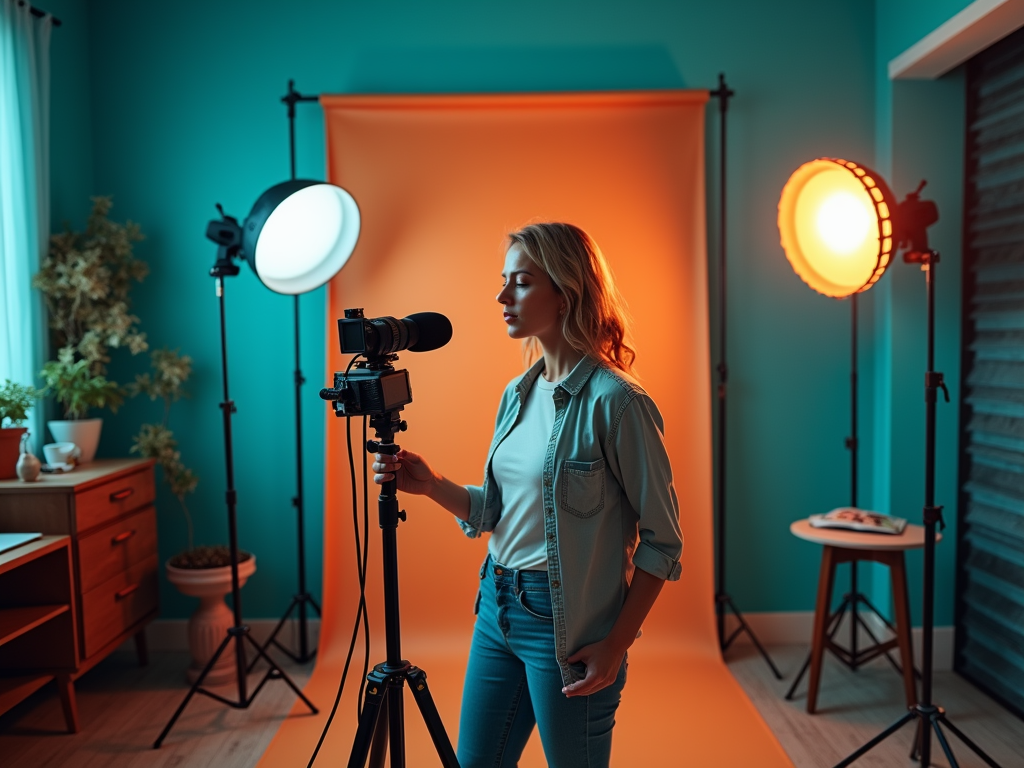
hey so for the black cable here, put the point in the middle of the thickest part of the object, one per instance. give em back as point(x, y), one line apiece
point(361, 569)
point(362, 574)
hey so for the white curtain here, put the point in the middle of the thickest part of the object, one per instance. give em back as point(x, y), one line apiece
point(24, 192)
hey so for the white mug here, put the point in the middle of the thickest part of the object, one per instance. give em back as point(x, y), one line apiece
point(61, 453)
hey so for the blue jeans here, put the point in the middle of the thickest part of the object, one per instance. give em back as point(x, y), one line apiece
point(513, 681)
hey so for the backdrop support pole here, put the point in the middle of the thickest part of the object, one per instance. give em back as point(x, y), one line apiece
point(302, 598)
point(723, 601)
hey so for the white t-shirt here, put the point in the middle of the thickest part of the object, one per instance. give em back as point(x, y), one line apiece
point(518, 466)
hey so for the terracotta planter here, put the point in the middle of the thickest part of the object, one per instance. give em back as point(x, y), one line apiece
point(85, 433)
point(10, 450)
point(212, 619)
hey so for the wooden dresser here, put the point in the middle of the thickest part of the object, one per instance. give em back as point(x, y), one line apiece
point(106, 507)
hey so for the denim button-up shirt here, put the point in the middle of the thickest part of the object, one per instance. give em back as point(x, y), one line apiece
point(609, 502)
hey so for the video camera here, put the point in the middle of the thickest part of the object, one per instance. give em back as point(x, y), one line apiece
point(374, 387)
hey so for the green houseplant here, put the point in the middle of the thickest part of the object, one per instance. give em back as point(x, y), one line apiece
point(15, 402)
point(85, 280)
point(203, 572)
point(76, 389)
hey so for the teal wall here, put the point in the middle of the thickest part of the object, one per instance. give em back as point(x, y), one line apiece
point(919, 135)
point(180, 102)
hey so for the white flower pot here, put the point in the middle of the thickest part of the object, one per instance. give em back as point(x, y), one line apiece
point(212, 619)
point(85, 433)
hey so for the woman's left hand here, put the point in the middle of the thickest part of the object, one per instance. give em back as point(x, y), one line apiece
point(603, 660)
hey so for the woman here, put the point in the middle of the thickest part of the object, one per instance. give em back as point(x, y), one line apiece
point(578, 499)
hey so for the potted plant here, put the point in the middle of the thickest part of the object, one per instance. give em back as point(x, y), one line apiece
point(15, 401)
point(203, 572)
point(85, 281)
point(77, 389)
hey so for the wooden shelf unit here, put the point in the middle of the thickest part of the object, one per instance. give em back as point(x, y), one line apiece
point(106, 510)
point(38, 631)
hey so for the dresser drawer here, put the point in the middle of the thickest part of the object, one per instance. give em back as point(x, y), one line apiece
point(116, 547)
point(117, 604)
point(113, 498)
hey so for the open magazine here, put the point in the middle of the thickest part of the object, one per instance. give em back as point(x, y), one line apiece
point(859, 520)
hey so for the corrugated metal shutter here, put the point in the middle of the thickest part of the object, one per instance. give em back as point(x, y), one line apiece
point(990, 610)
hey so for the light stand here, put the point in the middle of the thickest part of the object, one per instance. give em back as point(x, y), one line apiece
point(723, 600)
point(302, 598)
point(927, 715)
point(385, 684)
point(229, 239)
point(852, 657)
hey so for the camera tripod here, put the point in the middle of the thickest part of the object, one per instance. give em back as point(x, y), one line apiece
point(382, 722)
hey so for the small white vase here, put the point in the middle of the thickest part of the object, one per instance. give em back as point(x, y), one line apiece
point(29, 466)
point(85, 433)
point(212, 619)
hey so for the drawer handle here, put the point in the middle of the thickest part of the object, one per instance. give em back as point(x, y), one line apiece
point(122, 594)
point(121, 495)
point(122, 537)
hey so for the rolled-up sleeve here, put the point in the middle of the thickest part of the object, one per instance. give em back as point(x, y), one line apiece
point(476, 505)
point(645, 474)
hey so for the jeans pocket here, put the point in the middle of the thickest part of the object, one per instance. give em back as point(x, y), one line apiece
point(583, 487)
point(536, 602)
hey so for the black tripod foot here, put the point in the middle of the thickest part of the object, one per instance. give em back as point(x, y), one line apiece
point(928, 718)
point(304, 654)
point(723, 602)
point(240, 635)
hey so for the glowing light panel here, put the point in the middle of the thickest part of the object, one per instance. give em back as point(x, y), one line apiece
point(834, 224)
point(307, 239)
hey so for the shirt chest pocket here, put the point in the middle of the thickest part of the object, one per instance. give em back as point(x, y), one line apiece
point(583, 487)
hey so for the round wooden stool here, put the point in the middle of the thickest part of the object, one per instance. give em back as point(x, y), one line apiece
point(844, 546)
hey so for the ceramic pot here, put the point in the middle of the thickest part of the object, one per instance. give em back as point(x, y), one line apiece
point(85, 433)
point(212, 619)
point(10, 442)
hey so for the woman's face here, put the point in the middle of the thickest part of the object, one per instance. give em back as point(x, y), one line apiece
point(529, 298)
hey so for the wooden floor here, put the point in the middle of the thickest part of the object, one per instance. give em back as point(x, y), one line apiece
point(853, 707)
point(123, 708)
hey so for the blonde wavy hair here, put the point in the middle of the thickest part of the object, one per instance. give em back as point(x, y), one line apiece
point(596, 320)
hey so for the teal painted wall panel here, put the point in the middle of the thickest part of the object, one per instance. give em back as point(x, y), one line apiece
point(919, 135)
point(186, 113)
point(71, 138)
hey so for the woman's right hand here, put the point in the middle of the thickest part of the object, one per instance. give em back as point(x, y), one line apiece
point(411, 470)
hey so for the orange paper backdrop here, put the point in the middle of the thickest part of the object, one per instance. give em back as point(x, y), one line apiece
point(440, 181)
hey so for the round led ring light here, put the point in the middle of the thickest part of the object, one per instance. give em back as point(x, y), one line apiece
point(835, 221)
point(300, 234)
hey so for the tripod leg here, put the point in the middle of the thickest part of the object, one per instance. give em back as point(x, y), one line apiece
point(915, 749)
point(369, 721)
point(396, 722)
point(278, 672)
point(944, 744)
point(443, 745)
point(315, 606)
point(192, 691)
point(970, 744)
point(757, 643)
point(878, 739)
point(833, 627)
point(272, 640)
point(379, 747)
